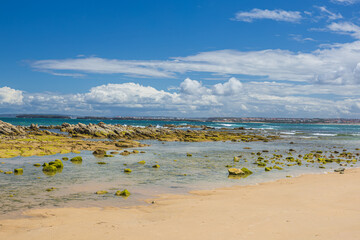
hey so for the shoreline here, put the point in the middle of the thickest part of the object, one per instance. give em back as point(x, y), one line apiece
point(319, 206)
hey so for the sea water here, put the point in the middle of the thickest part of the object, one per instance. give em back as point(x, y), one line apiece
point(178, 173)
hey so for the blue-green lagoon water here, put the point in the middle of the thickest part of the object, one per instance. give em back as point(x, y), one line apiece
point(205, 169)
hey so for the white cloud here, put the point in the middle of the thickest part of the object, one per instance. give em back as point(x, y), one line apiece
point(347, 2)
point(277, 15)
point(330, 15)
point(193, 98)
point(346, 28)
point(336, 64)
point(9, 96)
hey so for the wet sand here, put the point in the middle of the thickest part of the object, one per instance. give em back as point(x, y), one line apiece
point(322, 206)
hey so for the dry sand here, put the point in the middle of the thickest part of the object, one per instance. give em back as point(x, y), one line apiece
point(308, 207)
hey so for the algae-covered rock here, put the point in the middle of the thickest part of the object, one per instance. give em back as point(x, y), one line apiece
point(156, 166)
point(267, 169)
point(246, 171)
point(99, 152)
point(124, 193)
point(108, 155)
point(188, 154)
point(49, 168)
point(127, 170)
point(8, 172)
point(114, 152)
point(37, 165)
point(101, 163)
point(76, 159)
point(65, 158)
point(135, 151)
point(277, 167)
point(236, 159)
point(50, 189)
point(101, 192)
point(235, 171)
point(57, 163)
point(18, 171)
point(142, 162)
point(125, 153)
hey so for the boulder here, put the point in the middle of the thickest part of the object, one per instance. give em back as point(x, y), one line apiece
point(235, 171)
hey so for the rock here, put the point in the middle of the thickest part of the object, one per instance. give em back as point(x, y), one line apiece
point(101, 163)
point(267, 169)
point(156, 166)
point(124, 193)
point(236, 159)
point(49, 169)
point(135, 151)
point(76, 159)
point(18, 171)
point(188, 154)
point(339, 170)
point(142, 162)
point(101, 192)
point(246, 171)
point(8, 172)
point(65, 158)
point(11, 130)
point(127, 170)
point(125, 153)
point(57, 163)
point(37, 165)
point(114, 152)
point(50, 189)
point(108, 155)
point(277, 167)
point(235, 171)
point(99, 152)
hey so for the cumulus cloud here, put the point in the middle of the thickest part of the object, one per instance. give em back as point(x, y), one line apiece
point(277, 15)
point(335, 64)
point(194, 98)
point(9, 96)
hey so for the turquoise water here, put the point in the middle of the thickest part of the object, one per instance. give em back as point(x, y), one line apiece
point(283, 128)
point(205, 169)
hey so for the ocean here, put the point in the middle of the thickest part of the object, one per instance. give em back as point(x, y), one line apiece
point(205, 169)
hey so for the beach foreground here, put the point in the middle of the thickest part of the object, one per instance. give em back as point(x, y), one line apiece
point(308, 207)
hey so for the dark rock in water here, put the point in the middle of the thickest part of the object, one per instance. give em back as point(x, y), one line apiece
point(99, 152)
point(340, 170)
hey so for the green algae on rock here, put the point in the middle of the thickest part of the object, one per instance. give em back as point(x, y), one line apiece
point(102, 192)
point(18, 171)
point(127, 170)
point(156, 166)
point(76, 159)
point(124, 193)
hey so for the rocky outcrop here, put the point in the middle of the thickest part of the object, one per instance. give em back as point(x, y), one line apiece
point(11, 130)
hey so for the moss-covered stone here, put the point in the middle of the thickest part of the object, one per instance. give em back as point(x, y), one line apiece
point(188, 154)
point(156, 166)
point(127, 170)
point(142, 162)
point(76, 159)
point(102, 192)
point(236, 159)
point(108, 155)
point(50, 189)
point(101, 163)
point(8, 172)
point(65, 158)
point(18, 171)
point(37, 165)
point(246, 171)
point(124, 193)
point(267, 169)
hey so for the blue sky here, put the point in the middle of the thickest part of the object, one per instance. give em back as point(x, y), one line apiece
point(181, 58)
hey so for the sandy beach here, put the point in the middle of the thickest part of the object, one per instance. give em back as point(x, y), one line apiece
point(322, 206)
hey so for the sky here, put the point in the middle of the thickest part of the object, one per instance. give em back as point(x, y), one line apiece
point(188, 58)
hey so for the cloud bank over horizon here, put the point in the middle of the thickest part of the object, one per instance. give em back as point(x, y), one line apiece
point(193, 98)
